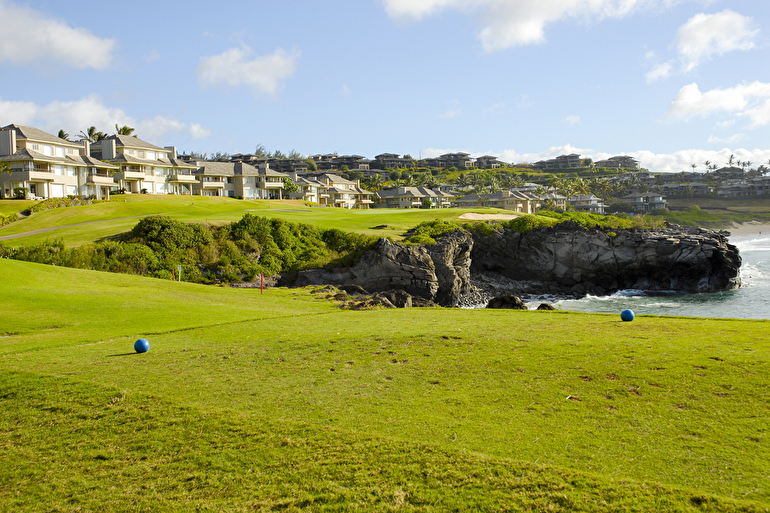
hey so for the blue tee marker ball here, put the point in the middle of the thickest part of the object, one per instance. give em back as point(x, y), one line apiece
point(141, 345)
point(627, 315)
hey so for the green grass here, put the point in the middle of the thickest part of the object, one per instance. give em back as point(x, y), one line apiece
point(250, 401)
point(109, 218)
point(15, 206)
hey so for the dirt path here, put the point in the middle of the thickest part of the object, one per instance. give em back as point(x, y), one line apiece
point(44, 230)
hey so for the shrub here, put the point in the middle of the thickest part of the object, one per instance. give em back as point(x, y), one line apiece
point(20, 192)
point(426, 232)
point(8, 218)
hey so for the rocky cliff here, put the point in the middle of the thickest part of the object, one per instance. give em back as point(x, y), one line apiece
point(569, 259)
point(565, 259)
point(439, 272)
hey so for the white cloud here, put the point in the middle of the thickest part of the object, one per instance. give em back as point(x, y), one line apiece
point(658, 72)
point(508, 23)
point(153, 56)
point(681, 160)
point(725, 140)
point(572, 120)
point(497, 107)
point(554, 151)
point(238, 66)
point(345, 91)
point(725, 124)
point(32, 37)
point(74, 116)
point(750, 100)
point(451, 113)
point(706, 35)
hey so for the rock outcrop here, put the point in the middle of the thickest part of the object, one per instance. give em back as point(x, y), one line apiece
point(569, 259)
point(439, 272)
point(565, 260)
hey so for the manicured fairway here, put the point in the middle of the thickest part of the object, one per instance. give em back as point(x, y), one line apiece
point(122, 212)
point(250, 401)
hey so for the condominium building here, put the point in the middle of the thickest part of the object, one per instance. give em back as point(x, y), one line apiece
point(145, 167)
point(45, 166)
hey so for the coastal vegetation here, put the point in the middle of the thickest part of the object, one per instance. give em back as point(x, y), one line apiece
point(250, 401)
point(236, 252)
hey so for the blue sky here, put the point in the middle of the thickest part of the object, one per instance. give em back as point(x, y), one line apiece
point(672, 82)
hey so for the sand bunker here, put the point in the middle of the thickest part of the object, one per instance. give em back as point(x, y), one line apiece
point(483, 217)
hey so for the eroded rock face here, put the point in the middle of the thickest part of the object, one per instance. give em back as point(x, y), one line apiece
point(570, 259)
point(440, 272)
point(565, 260)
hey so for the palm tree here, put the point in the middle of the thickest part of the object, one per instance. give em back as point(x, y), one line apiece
point(731, 160)
point(374, 183)
point(64, 135)
point(707, 164)
point(124, 130)
point(90, 134)
point(693, 166)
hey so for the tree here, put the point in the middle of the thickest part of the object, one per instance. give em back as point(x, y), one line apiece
point(261, 151)
point(90, 134)
point(693, 166)
point(124, 130)
point(374, 183)
point(64, 135)
point(707, 164)
point(311, 165)
point(5, 168)
point(289, 185)
point(731, 160)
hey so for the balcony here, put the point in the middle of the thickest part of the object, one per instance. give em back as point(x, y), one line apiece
point(213, 184)
point(37, 174)
point(134, 174)
point(100, 179)
point(182, 178)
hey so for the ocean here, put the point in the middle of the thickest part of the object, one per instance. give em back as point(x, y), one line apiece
point(750, 301)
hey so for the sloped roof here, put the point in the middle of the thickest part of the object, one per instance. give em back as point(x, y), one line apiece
point(216, 169)
point(129, 141)
point(35, 134)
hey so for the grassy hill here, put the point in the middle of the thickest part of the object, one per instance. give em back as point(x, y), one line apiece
point(83, 224)
point(250, 401)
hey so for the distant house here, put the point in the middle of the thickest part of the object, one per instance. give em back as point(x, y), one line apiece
point(618, 162)
point(50, 167)
point(561, 162)
point(729, 173)
point(587, 203)
point(392, 161)
point(558, 200)
point(523, 202)
point(645, 201)
point(685, 189)
point(449, 160)
point(413, 197)
point(488, 162)
point(343, 193)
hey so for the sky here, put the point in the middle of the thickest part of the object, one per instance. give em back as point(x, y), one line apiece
point(670, 82)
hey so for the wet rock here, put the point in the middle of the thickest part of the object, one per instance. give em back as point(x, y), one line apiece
point(507, 302)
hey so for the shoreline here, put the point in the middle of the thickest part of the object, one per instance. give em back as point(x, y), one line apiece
point(750, 228)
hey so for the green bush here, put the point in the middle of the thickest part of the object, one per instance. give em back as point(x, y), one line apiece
point(525, 223)
point(8, 218)
point(427, 232)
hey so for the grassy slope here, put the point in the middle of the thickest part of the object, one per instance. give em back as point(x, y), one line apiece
point(213, 210)
point(250, 401)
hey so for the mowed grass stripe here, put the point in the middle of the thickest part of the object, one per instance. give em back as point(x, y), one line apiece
point(215, 210)
point(68, 445)
point(672, 400)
